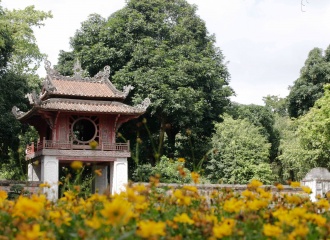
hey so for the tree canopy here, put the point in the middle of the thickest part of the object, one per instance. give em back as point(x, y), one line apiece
point(309, 86)
point(20, 57)
point(241, 153)
point(164, 50)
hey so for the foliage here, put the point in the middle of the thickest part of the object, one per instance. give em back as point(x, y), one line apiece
point(14, 89)
point(314, 131)
point(26, 56)
point(240, 153)
point(276, 104)
point(294, 160)
point(145, 212)
point(166, 169)
point(305, 142)
point(163, 49)
point(20, 57)
point(262, 117)
point(309, 86)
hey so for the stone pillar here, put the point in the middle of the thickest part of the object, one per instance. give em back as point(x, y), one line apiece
point(50, 174)
point(100, 183)
point(118, 175)
point(34, 171)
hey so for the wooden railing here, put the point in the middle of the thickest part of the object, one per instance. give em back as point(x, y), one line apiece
point(50, 144)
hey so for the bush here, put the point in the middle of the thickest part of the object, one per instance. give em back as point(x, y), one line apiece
point(166, 168)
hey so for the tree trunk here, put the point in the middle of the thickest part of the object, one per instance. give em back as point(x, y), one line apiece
point(161, 139)
point(171, 134)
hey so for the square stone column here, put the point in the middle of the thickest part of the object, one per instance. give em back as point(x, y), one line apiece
point(50, 174)
point(100, 183)
point(118, 175)
point(34, 171)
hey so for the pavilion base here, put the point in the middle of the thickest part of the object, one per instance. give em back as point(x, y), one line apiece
point(110, 177)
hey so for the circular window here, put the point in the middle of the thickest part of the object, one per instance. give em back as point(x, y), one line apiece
point(84, 130)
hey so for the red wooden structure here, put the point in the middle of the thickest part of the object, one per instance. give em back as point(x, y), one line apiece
point(72, 113)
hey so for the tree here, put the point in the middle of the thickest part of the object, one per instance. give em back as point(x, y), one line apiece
point(309, 86)
point(305, 143)
point(19, 59)
point(163, 49)
point(240, 154)
point(314, 129)
point(276, 104)
point(261, 117)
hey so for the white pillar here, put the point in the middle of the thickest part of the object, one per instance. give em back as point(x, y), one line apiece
point(49, 174)
point(100, 183)
point(34, 171)
point(118, 175)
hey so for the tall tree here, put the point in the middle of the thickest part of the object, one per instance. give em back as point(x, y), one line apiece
point(309, 86)
point(164, 50)
point(19, 60)
point(240, 154)
point(263, 118)
point(305, 144)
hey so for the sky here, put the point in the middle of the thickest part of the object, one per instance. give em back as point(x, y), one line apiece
point(265, 42)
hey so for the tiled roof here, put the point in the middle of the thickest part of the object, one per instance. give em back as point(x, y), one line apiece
point(84, 89)
point(77, 86)
point(62, 104)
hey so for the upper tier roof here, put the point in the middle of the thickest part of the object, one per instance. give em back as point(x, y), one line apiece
point(80, 94)
point(97, 87)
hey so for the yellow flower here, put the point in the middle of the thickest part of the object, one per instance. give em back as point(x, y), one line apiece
point(140, 188)
point(150, 229)
point(182, 160)
point(254, 184)
point(76, 165)
point(307, 190)
point(279, 187)
point(181, 198)
point(190, 188)
point(295, 184)
point(264, 194)
point(93, 144)
point(44, 185)
point(3, 195)
point(195, 177)
point(60, 217)
point(32, 234)
point(323, 203)
point(117, 212)
point(225, 228)
point(233, 205)
point(256, 204)
point(248, 194)
point(183, 218)
point(94, 222)
point(26, 208)
point(98, 172)
point(299, 231)
point(293, 199)
point(271, 230)
point(317, 219)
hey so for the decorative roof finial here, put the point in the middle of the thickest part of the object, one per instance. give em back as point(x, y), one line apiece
point(77, 70)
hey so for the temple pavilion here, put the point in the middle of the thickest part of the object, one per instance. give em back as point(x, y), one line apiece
point(77, 119)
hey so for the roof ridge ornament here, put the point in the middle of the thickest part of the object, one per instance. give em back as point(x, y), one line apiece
point(34, 98)
point(103, 76)
point(50, 71)
point(17, 112)
point(77, 70)
point(144, 104)
point(127, 89)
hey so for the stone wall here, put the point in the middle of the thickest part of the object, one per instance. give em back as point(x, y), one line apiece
point(203, 189)
point(31, 187)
